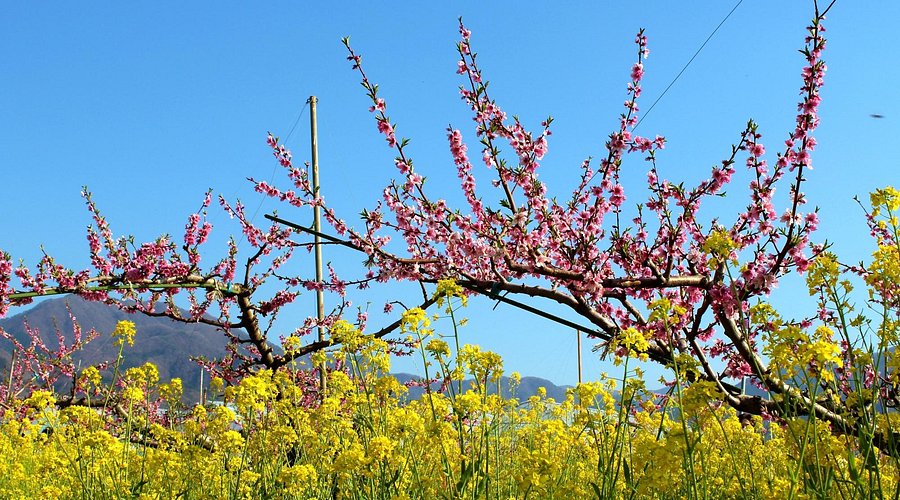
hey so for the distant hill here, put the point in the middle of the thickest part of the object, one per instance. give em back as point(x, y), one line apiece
point(169, 345)
point(166, 343)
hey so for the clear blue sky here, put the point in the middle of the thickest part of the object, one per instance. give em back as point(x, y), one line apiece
point(150, 105)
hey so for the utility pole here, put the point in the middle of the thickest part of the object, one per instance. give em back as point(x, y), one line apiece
point(317, 221)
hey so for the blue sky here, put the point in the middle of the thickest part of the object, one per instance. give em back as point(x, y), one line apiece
point(150, 105)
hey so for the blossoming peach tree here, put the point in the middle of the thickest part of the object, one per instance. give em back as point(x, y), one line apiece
point(661, 285)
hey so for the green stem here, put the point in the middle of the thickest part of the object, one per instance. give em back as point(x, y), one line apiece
point(209, 285)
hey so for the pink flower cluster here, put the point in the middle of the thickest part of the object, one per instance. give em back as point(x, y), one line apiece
point(39, 365)
point(581, 252)
point(662, 268)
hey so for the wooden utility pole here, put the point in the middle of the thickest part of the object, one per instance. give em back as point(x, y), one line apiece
point(317, 221)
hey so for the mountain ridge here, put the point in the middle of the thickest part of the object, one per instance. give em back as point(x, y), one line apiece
point(169, 345)
point(166, 343)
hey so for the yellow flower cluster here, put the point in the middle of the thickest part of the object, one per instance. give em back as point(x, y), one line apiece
point(415, 319)
point(40, 400)
point(633, 341)
point(344, 333)
point(884, 198)
point(91, 375)
point(719, 246)
point(292, 344)
point(664, 311)
point(171, 392)
point(124, 333)
point(448, 288)
point(883, 277)
point(482, 365)
point(884, 271)
point(793, 350)
point(365, 440)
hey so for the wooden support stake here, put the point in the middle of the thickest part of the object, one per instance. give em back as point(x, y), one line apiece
point(317, 221)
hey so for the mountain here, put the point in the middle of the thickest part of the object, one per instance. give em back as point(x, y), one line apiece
point(166, 343)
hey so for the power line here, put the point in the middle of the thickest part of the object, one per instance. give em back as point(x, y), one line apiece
point(294, 126)
point(275, 166)
point(688, 63)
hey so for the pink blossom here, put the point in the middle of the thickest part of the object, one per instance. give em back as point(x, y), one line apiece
point(388, 130)
point(812, 220)
point(617, 195)
point(637, 72)
point(402, 166)
point(379, 106)
point(540, 147)
point(466, 34)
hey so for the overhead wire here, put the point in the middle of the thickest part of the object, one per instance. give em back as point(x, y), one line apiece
point(644, 116)
point(646, 113)
point(275, 167)
point(681, 72)
point(563, 365)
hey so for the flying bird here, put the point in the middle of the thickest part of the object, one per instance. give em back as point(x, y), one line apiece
point(876, 115)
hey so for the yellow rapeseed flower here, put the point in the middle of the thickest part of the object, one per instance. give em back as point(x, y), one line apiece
point(633, 341)
point(171, 391)
point(719, 246)
point(124, 333)
point(887, 197)
point(414, 320)
point(132, 393)
point(438, 347)
point(41, 399)
point(884, 272)
point(447, 288)
point(91, 375)
point(292, 344)
point(297, 479)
